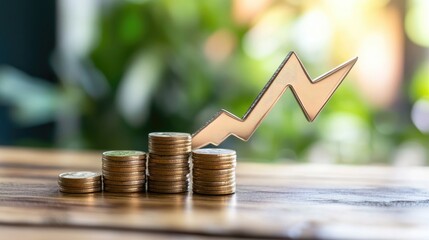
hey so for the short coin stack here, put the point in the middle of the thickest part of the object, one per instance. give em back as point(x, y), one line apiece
point(168, 165)
point(213, 171)
point(124, 171)
point(79, 182)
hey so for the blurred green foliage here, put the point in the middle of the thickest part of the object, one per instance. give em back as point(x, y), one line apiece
point(163, 74)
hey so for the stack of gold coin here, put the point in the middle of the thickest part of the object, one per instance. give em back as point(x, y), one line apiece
point(124, 171)
point(213, 171)
point(168, 165)
point(79, 182)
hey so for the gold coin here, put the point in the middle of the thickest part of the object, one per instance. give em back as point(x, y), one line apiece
point(164, 157)
point(124, 169)
point(213, 152)
point(214, 166)
point(119, 174)
point(124, 183)
point(172, 166)
point(169, 183)
point(213, 171)
point(79, 185)
point(79, 177)
point(213, 183)
point(122, 189)
point(183, 171)
point(170, 145)
point(168, 166)
point(168, 190)
point(170, 153)
point(124, 155)
point(167, 147)
point(124, 178)
point(219, 160)
point(214, 178)
point(168, 136)
point(216, 192)
point(168, 162)
point(213, 188)
point(141, 162)
point(167, 187)
point(158, 177)
point(169, 140)
point(79, 190)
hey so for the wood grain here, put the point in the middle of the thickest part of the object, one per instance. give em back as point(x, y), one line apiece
point(272, 201)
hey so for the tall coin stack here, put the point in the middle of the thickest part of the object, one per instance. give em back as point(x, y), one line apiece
point(168, 166)
point(213, 171)
point(124, 171)
point(79, 182)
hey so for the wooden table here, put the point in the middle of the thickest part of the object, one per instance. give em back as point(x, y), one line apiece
point(272, 201)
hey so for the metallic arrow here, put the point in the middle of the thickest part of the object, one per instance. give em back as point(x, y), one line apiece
point(311, 95)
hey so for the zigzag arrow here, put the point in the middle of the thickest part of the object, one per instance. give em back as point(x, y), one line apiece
point(311, 95)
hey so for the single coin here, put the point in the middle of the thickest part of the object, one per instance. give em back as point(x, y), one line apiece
point(212, 183)
point(169, 153)
point(80, 184)
point(214, 166)
point(124, 155)
point(213, 178)
point(164, 187)
point(168, 166)
point(172, 166)
point(80, 187)
point(124, 183)
point(170, 172)
point(124, 178)
point(158, 156)
point(168, 162)
point(213, 152)
point(170, 145)
point(221, 160)
point(171, 150)
point(79, 190)
point(168, 140)
point(79, 177)
point(141, 162)
point(213, 171)
point(213, 192)
point(124, 169)
point(214, 188)
point(158, 190)
point(158, 177)
point(119, 174)
point(169, 183)
point(164, 157)
point(169, 136)
point(112, 186)
point(123, 189)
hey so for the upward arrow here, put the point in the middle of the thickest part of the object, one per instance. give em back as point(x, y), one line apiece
point(311, 95)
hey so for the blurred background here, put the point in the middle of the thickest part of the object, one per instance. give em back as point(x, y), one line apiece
point(77, 74)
